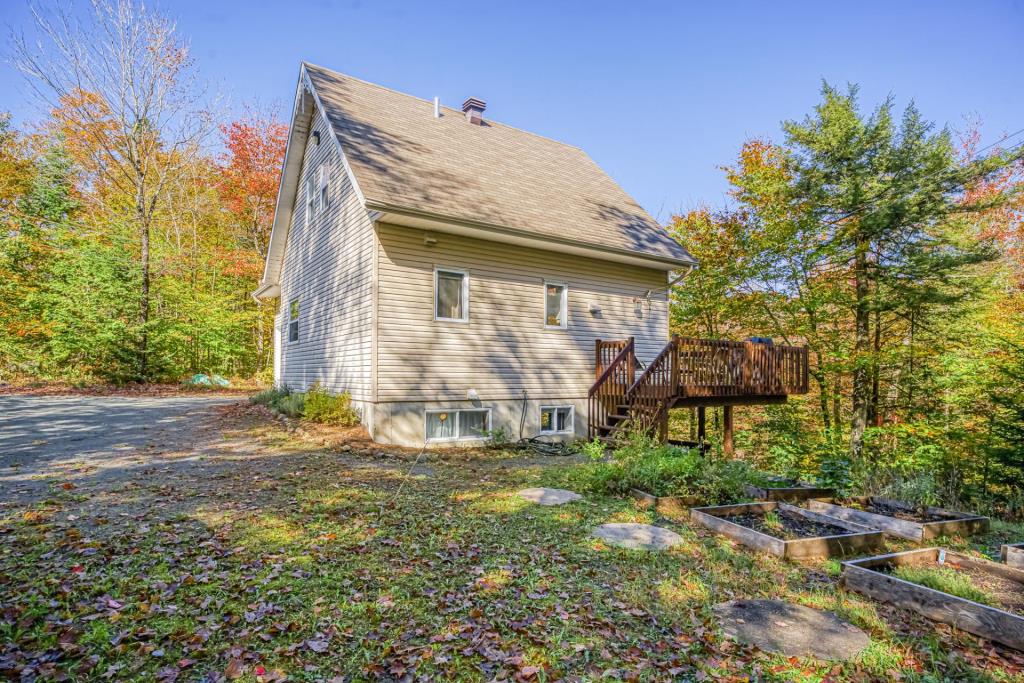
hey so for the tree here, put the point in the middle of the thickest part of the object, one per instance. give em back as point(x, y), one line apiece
point(888, 199)
point(124, 90)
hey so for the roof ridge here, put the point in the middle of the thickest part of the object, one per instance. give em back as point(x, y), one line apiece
point(452, 109)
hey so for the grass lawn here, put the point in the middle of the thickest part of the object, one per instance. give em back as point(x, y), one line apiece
point(317, 565)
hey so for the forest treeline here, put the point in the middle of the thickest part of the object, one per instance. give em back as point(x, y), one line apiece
point(893, 250)
point(136, 222)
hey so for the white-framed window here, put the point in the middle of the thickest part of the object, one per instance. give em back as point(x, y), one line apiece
point(556, 305)
point(293, 320)
point(310, 198)
point(556, 420)
point(457, 424)
point(451, 295)
point(321, 181)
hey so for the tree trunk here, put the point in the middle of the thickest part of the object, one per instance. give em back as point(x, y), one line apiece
point(144, 290)
point(874, 416)
point(861, 349)
point(826, 422)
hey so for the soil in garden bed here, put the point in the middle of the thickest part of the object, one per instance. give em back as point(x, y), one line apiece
point(790, 526)
point(895, 511)
point(995, 591)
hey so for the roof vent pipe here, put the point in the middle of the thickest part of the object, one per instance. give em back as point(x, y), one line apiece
point(474, 110)
point(437, 107)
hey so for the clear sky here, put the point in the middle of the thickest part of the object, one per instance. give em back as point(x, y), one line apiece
point(659, 94)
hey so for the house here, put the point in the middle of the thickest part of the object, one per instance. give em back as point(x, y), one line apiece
point(458, 276)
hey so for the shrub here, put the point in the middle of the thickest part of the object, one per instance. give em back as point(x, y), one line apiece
point(270, 397)
point(291, 405)
point(665, 470)
point(322, 406)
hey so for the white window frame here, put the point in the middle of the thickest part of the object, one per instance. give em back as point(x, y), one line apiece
point(465, 293)
point(571, 429)
point(310, 199)
point(457, 412)
point(290, 320)
point(564, 313)
point(321, 193)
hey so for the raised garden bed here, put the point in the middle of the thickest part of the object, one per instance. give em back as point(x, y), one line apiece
point(788, 490)
point(670, 506)
point(996, 611)
point(899, 519)
point(1012, 554)
point(785, 530)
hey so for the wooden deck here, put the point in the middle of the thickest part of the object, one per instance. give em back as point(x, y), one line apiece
point(689, 372)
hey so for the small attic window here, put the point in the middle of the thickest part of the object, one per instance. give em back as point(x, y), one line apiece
point(321, 180)
point(310, 198)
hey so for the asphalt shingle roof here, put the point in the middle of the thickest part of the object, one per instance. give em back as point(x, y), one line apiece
point(405, 158)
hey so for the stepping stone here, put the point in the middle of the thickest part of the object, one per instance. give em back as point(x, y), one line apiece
point(793, 630)
point(543, 496)
point(638, 536)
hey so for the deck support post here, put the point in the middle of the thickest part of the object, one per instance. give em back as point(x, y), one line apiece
point(701, 426)
point(727, 431)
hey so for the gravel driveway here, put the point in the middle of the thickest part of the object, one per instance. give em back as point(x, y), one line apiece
point(47, 440)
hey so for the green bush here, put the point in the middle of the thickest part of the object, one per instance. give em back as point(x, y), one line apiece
point(269, 397)
point(291, 405)
point(324, 407)
point(665, 470)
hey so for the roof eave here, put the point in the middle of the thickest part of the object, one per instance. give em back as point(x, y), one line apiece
point(499, 233)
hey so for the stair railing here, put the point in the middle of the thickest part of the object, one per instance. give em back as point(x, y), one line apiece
point(651, 395)
point(609, 391)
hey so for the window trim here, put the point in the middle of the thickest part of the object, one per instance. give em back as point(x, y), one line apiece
point(310, 199)
point(465, 293)
point(321, 189)
point(572, 419)
point(564, 313)
point(458, 424)
point(295, 320)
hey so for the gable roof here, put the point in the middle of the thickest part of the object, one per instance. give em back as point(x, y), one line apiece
point(406, 161)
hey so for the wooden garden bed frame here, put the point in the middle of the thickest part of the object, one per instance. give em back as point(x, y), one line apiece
point(858, 538)
point(789, 494)
point(863, 576)
point(670, 506)
point(956, 524)
point(1012, 555)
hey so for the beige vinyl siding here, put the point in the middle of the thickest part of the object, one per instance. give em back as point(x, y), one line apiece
point(504, 348)
point(328, 267)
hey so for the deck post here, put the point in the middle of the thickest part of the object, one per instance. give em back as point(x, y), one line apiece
point(701, 425)
point(597, 359)
point(727, 431)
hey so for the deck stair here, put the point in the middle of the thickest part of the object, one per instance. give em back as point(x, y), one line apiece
point(688, 372)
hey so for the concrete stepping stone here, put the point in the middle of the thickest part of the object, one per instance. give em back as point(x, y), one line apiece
point(637, 536)
point(790, 629)
point(543, 496)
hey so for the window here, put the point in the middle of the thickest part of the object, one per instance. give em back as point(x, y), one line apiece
point(293, 320)
point(555, 296)
point(322, 184)
point(556, 419)
point(455, 425)
point(310, 197)
point(451, 295)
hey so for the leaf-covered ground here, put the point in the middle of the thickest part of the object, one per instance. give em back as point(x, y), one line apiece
point(316, 557)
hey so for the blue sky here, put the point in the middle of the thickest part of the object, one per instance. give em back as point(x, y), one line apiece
point(659, 94)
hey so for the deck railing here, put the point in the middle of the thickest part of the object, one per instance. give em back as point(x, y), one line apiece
point(717, 368)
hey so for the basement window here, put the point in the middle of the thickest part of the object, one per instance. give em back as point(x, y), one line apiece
point(457, 425)
point(451, 295)
point(556, 419)
point(293, 320)
point(555, 305)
